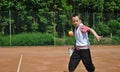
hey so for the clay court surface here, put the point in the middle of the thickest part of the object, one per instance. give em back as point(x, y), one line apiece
point(55, 59)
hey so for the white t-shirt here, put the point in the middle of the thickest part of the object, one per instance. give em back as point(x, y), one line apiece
point(81, 36)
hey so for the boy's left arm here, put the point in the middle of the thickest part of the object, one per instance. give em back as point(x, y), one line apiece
point(84, 29)
point(95, 34)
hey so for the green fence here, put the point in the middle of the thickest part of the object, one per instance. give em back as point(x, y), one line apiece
point(27, 28)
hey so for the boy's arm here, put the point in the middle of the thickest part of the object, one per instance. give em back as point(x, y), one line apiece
point(95, 34)
point(84, 29)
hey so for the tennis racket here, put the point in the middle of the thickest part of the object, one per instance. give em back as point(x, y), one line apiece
point(70, 50)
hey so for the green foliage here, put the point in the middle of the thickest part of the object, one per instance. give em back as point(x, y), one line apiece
point(1, 39)
point(29, 39)
point(118, 33)
point(116, 40)
point(114, 26)
point(112, 5)
point(98, 5)
point(5, 41)
point(103, 41)
point(34, 27)
point(43, 19)
point(61, 5)
point(70, 40)
point(59, 41)
point(102, 29)
point(65, 41)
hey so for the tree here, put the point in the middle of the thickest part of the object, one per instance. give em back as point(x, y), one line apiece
point(98, 5)
point(102, 29)
point(114, 27)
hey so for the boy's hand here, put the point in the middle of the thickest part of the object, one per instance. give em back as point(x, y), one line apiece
point(98, 38)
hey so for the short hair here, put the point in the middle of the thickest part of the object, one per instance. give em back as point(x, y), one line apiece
point(73, 15)
point(76, 14)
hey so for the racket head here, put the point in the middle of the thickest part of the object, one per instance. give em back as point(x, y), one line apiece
point(70, 50)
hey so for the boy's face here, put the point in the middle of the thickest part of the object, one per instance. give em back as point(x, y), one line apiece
point(76, 21)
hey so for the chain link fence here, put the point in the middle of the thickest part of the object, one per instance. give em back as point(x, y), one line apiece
point(54, 26)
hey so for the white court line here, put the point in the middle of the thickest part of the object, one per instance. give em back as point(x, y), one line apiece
point(20, 61)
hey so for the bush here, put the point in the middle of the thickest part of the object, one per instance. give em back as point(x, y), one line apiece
point(36, 39)
point(70, 40)
point(114, 26)
point(5, 41)
point(65, 41)
point(59, 41)
point(29, 39)
point(103, 41)
point(1, 39)
point(115, 40)
point(91, 38)
point(102, 29)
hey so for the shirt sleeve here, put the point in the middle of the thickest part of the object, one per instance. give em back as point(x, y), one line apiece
point(84, 28)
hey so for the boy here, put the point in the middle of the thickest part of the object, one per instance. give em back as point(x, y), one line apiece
point(82, 51)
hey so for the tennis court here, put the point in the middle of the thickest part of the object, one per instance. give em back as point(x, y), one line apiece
point(55, 59)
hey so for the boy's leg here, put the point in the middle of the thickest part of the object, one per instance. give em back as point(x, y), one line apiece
point(87, 61)
point(74, 61)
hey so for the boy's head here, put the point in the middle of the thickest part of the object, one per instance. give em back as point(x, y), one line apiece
point(76, 20)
